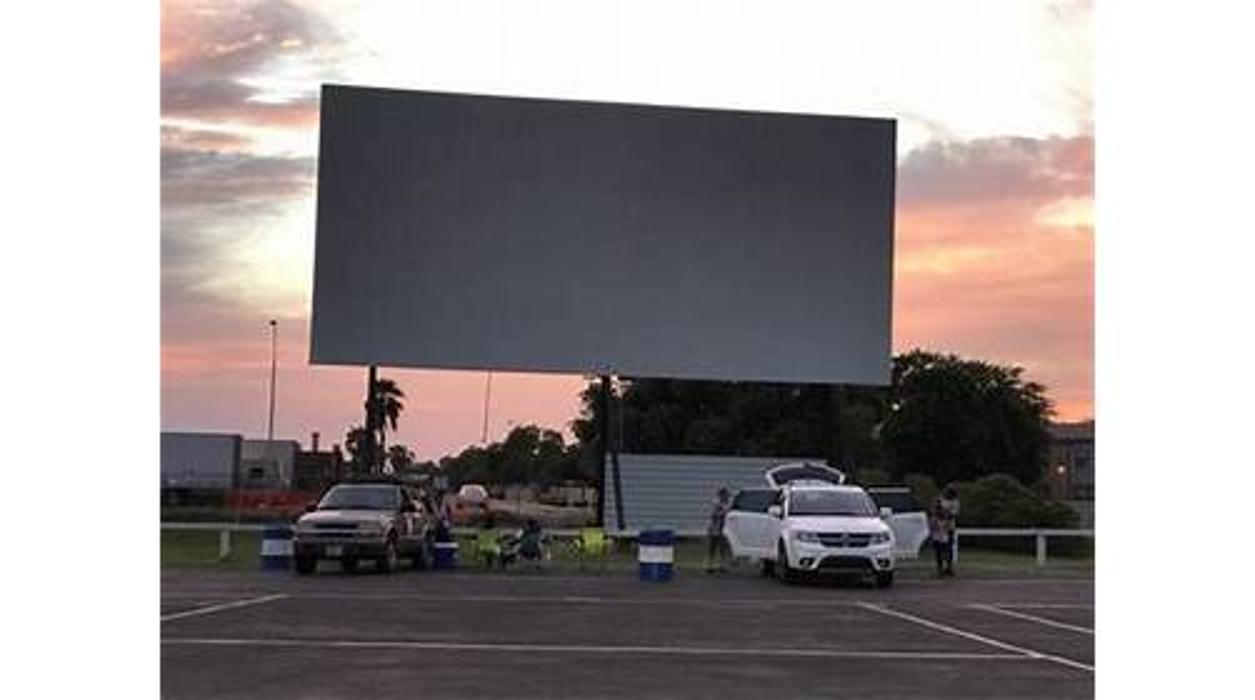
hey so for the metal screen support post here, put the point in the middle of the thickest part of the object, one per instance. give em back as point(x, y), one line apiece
point(372, 379)
point(224, 544)
point(1041, 549)
point(611, 446)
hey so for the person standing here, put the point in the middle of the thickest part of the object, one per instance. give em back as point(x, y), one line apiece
point(939, 533)
point(717, 546)
point(950, 505)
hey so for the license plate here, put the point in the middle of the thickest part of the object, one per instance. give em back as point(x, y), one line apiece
point(333, 550)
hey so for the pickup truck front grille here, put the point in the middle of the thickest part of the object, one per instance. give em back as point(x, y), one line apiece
point(844, 539)
point(334, 536)
point(335, 526)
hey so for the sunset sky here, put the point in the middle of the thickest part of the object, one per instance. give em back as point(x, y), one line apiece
point(994, 231)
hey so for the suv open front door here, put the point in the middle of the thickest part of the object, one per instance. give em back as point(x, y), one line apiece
point(748, 526)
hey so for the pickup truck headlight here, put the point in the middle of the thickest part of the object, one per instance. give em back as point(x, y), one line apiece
point(370, 528)
point(804, 536)
point(881, 537)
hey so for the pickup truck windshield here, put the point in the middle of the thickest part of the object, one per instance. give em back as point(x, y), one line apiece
point(848, 503)
point(361, 498)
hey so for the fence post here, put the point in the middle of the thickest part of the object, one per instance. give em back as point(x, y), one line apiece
point(224, 544)
point(1041, 549)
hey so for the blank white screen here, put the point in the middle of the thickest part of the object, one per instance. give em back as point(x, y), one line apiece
point(473, 232)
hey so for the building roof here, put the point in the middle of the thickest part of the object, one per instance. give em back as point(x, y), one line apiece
point(1082, 430)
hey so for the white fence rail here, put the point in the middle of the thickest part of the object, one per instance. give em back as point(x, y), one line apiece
point(1040, 535)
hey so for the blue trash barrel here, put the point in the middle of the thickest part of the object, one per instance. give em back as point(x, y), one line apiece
point(276, 548)
point(444, 556)
point(655, 551)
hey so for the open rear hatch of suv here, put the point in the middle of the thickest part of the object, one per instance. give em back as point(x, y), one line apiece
point(789, 472)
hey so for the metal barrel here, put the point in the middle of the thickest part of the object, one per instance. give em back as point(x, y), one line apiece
point(276, 548)
point(655, 550)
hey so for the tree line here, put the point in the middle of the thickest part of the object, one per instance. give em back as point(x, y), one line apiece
point(943, 419)
point(950, 418)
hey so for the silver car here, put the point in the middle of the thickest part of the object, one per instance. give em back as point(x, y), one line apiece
point(383, 522)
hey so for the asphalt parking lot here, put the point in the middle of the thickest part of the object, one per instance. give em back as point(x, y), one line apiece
point(471, 635)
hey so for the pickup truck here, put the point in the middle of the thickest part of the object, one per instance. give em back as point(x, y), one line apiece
point(381, 522)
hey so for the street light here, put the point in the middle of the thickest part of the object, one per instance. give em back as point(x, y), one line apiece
point(483, 432)
point(270, 422)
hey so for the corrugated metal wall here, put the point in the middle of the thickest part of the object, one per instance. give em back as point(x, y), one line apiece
point(677, 491)
point(199, 460)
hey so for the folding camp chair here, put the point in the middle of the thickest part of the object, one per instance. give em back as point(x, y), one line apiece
point(592, 544)
point(488, 548)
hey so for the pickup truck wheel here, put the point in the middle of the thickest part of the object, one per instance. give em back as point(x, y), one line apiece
point(784, 572)
point(305, 565)
point(768, 568)
point(388, 562)
point(884, 579)
point(348, 564)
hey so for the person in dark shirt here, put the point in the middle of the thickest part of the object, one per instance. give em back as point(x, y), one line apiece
point(717, 546)
point(531, 543)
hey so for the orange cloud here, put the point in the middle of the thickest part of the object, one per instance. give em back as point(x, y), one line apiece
point(995, 259)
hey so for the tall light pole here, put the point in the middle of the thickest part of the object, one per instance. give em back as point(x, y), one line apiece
point(483, 433)
point(270, 422)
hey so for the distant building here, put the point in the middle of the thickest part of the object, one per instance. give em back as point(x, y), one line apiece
point(314, 471)
point(1071, 465)
point(199, 460)
point(268, 464)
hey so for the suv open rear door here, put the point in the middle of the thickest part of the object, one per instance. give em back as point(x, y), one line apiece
point(906, 518)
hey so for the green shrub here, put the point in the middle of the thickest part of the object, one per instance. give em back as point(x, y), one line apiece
point(999, 500)
point(922, 487)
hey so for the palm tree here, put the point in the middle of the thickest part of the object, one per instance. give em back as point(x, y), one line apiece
point(400, 457)
point(355, 443)
point(387, 409)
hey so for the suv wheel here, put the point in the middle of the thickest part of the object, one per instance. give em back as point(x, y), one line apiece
point(305, 565)
point(388, 562)
point(784, 572)
point(884, 579)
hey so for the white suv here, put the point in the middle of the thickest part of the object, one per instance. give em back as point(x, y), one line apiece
point(812, 526)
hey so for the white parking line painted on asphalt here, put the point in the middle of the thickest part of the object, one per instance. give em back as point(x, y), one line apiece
point(594, 649)
point(940, 627)
point(1031, 618)
point(1045, 606)
point(223, 606)
point(580, 600)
